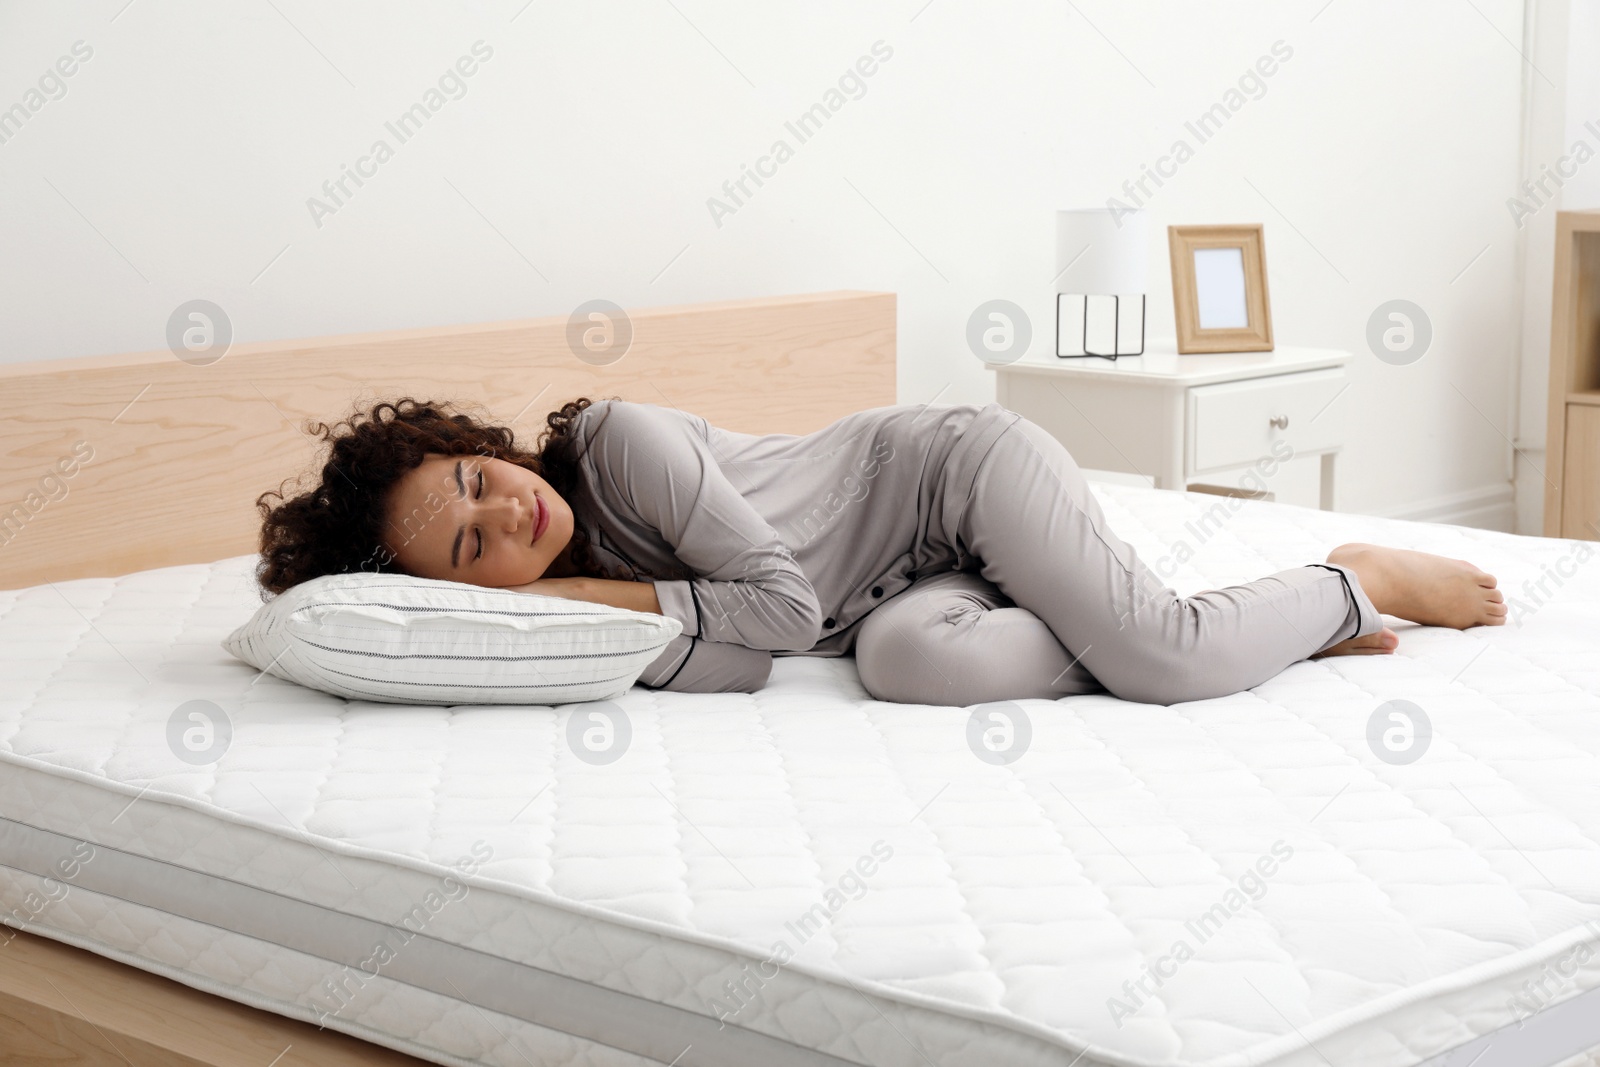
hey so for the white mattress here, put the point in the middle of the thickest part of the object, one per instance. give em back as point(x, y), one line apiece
point(607, 906)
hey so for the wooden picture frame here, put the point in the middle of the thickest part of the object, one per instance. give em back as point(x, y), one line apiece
point(1233, 295)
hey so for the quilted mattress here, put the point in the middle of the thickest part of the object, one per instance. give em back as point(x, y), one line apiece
point(1288, 876)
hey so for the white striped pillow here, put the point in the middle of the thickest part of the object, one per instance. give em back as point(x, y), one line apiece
point(404, 640)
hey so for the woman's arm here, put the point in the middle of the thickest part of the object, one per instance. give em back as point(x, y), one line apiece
point(747, 588)
point(635, 596)
point(747, 596)
point(687, 664)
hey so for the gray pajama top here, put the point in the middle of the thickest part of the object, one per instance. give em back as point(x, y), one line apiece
point(774, 544)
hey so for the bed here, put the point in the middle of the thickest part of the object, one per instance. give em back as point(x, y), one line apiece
point(797, 876)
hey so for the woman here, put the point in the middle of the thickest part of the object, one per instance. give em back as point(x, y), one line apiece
point(957, 551)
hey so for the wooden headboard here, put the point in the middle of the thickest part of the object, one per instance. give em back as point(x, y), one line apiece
point(113, 464)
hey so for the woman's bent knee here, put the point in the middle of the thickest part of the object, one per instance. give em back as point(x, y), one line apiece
point(893, 661)
point(955, 641)
point(910, 650)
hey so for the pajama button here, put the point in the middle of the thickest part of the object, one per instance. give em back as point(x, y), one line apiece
point(828, 623)
point(877, 590)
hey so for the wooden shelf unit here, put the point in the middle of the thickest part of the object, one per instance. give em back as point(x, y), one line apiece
point(1572, 452)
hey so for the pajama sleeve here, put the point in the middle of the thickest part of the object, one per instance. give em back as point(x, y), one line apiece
point(748, 597)
point(689, 665)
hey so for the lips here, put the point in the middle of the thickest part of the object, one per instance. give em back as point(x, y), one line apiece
point(541, 520)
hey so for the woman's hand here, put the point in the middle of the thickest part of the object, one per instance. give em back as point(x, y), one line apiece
point(634, 596)
point(565, 588)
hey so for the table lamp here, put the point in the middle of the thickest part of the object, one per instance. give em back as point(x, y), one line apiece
point(1102, 261)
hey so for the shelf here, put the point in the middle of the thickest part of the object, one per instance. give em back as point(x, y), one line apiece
point(1572, 435)
point(1587, 221)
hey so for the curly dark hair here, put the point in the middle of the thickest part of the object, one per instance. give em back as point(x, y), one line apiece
point(337, 527)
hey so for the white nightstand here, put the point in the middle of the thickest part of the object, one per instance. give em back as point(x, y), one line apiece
point(1176, 417)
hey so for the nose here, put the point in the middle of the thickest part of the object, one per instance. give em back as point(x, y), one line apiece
point(507, 514)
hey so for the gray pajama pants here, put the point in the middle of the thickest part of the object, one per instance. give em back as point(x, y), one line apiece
point(1060, 605)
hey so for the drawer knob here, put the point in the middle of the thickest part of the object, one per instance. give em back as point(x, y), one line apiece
point(1280, 421)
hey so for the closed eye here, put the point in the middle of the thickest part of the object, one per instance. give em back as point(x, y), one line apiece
point(461, 531)
point(480, 529)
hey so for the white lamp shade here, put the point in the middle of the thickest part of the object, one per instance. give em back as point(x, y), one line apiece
point(1098, 252)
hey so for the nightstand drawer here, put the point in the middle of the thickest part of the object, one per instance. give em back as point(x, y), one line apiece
point(1232, 424)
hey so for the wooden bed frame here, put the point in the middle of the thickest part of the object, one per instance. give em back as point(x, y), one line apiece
point(166, 461)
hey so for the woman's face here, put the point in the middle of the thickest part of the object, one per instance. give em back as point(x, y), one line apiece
point(482, 521)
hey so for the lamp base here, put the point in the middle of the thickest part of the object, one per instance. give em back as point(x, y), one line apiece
point(1102, 326)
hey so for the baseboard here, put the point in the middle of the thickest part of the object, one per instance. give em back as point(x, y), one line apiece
point(1489, 507)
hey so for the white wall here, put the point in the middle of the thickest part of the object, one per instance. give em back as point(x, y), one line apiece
point(1580, 117)
point(580, 160)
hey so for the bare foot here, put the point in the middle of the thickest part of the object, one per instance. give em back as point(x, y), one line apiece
point(1381, 643)
point(1428, 589)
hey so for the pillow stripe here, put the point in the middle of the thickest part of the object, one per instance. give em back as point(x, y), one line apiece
point(459, 611)
point(511, 659)
point(477, 685)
